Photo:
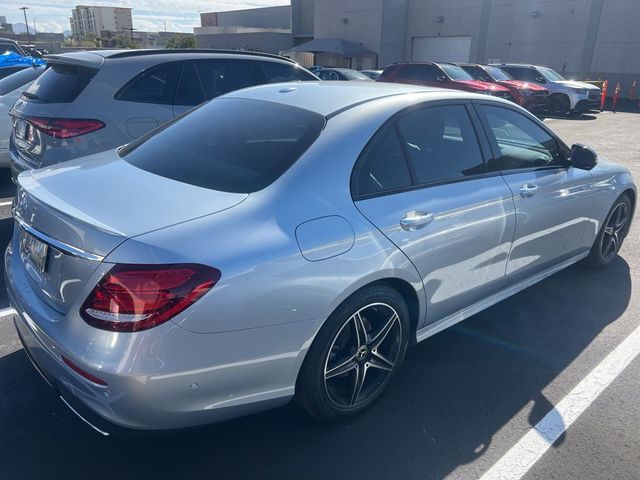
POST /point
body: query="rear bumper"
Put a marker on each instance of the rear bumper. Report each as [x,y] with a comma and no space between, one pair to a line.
[163,378]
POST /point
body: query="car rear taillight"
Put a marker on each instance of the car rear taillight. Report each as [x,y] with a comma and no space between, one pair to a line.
[130,298]
[65,127]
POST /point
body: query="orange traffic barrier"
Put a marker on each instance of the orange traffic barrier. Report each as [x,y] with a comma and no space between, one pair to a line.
[616,95]
[632,92]
[603,97]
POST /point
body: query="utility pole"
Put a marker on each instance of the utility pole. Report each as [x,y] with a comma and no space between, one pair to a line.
[24,10]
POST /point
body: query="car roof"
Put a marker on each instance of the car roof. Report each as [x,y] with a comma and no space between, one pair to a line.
[525,65]
[96,58]
[329,98]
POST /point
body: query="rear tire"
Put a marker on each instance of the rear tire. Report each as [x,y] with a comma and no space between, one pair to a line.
[612,234]
[355,354]
[559,104]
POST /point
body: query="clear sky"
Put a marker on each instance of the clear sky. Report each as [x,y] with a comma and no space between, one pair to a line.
[180,15]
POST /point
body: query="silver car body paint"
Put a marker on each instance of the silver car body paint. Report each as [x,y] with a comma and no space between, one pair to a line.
[289,255]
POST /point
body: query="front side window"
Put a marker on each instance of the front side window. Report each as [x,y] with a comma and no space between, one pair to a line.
[156,85]
[550,74]
[230,144]
[328,75]
[455,72]
[441,144]
[478,73]
[382,167]
[222,76]
[521,142]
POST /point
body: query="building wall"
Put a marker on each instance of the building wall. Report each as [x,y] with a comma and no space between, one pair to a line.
[302,19]
[269,42]
[268,17]
[616,55]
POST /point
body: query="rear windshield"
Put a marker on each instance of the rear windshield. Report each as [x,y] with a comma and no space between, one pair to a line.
[229,144]
[59,84]
[19,79]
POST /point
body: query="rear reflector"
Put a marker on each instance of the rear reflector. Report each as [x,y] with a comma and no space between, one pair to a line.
[65,127]
[130,298]
[82,373]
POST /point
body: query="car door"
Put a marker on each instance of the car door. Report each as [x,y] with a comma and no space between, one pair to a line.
[147,99]
[202,80]
[552,199]
[423,181]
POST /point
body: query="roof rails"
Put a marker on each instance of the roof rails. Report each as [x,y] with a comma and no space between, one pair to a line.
[157,51]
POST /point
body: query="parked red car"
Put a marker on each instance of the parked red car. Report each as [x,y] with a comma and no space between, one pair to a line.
[528,95]
[445,75]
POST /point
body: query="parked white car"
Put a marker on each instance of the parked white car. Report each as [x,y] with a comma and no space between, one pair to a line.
[11,88]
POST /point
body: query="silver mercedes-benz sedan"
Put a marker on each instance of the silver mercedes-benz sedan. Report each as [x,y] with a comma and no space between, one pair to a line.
[290,241]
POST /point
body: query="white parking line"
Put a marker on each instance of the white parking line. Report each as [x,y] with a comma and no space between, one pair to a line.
[5,312]
[4,204]
[523,455]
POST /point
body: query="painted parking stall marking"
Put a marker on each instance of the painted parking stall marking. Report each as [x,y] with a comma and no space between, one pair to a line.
[523,455]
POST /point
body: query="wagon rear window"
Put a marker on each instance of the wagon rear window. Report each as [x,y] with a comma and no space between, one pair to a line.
[229,144]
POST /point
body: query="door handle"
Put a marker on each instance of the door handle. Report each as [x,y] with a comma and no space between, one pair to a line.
[528,190]
[415,219]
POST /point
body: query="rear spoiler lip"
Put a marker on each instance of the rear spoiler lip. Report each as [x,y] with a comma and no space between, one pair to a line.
[81,59]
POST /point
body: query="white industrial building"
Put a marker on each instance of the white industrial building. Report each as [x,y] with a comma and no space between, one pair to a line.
[581,38]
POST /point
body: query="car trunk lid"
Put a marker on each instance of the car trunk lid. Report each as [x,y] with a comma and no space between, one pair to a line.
[71,216]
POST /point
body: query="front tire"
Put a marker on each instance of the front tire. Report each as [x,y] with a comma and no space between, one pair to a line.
[609,240]
[559,104]
[355,354]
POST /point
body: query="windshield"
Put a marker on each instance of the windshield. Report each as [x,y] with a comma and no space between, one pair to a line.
[551,75]
[455,72]
[497,74]
[354,75]
[229,144]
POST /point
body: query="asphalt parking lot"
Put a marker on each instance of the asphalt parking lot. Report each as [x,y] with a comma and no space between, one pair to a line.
[462,400]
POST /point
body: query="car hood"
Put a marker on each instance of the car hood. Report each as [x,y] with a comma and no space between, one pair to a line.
[115,198]
[520,85]
[575,84]
[483,86]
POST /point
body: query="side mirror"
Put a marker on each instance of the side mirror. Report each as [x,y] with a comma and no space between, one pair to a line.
[442,79]
[583,157]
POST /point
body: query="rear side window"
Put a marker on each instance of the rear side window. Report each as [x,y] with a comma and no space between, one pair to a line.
[423,73]
[155,85]
[441,143]
[383,166]
[60,84]
[19,79]
[8,71]
[230,144]
[280,72]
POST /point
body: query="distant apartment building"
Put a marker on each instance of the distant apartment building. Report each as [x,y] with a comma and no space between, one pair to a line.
[4,26]
[92,20]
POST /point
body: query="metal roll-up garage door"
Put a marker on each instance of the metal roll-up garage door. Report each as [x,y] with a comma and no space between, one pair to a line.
[441,49]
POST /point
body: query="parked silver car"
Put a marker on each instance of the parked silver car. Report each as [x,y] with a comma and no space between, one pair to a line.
[89,102]
[11,88]
[565,96]
[290,241]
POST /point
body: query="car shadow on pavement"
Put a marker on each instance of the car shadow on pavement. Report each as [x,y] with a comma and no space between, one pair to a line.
[447,404]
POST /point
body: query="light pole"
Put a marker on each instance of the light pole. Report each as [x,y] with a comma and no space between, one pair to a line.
[26,24]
